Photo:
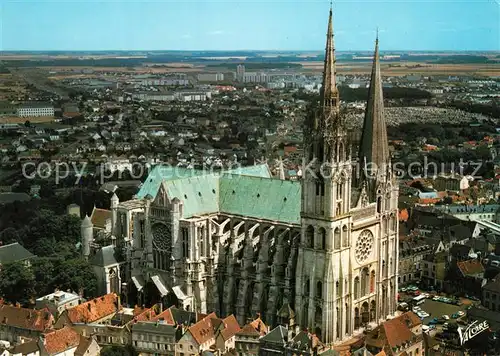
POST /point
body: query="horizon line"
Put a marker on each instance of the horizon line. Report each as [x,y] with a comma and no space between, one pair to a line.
[245,50]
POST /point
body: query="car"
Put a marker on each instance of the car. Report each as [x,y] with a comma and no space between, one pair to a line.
[446,317]
[454,316]
[461,313]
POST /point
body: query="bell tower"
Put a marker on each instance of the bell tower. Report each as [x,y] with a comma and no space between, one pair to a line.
[323,259]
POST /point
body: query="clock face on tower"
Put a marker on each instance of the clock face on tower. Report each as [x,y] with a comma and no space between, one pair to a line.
[364,245]
[162,237]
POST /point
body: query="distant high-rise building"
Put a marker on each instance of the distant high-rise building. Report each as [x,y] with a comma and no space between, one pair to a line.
[240,72]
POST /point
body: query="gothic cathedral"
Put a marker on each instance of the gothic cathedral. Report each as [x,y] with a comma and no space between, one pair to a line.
[320,253]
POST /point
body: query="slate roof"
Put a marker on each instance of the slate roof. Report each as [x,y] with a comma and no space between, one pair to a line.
[104,257]
[14,252]
[248,191]
[154,327]
[276,336]
[493,286]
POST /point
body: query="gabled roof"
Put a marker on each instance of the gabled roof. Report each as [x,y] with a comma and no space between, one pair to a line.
[14,252]
[94,309]
[100,217]
[470,267]
[231,327]
[278,335]
[83,346]
[22,318]
[61,340]
[202,331]
[259,325]
[252,192]
[248,330]
[394,332]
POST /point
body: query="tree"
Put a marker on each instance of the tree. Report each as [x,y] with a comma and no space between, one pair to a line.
[75,274]
[118,351]
[17,283]
[8,236]
[27,123]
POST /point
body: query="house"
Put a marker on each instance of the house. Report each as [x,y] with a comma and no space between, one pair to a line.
[98,310]
[304,343]
[399,336]
[15,253]
[247,341]
[154,337]
[225,333]
[467,276]
[491,295]
[19,322]
[198,338]
[58,301]
[87,347]
[434,269]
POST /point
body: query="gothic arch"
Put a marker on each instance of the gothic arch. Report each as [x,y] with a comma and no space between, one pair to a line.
[113,281]
[307,288]
[309,236]
[319,290]
[345,236]
[365,313]
[364,281]
[338,288]
[318,320]
[339,318]
[372,282]
[356,288]
[373,310]
[322,237]
[357,320]
[347,318]
[336,238]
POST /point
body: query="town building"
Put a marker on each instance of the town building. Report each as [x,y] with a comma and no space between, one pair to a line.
[35,110]
[210,77]
[58,301]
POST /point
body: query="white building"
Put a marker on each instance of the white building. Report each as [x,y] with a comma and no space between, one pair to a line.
[210,77]
[35,110]
[58,301]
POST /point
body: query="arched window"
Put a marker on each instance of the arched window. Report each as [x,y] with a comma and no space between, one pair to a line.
[365,313]
[372,311]
[319,289]
[364,282]
[379,204]
[357,320]
[339,318]
[345,236]
[372,282]
[307,288]
[338,288]
[336,238]
[310,237]
[356,288]
[321,151]
[340,188]
[322,234]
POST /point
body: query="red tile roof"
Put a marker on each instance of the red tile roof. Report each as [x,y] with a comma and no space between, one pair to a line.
[94,309]
[147,314]
[231,327]
[248,330]
[23,318]
[165,316]
[394,332]
[61,340]
[470,267]
[202,331]
[259,325]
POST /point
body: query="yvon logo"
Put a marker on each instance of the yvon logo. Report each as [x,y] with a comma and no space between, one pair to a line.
[472,331]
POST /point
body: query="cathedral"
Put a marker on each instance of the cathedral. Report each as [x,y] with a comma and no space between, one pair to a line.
[320,253]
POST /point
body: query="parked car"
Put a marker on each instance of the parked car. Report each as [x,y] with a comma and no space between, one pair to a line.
[446,317]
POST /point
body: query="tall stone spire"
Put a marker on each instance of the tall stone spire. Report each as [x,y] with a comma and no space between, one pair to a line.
[329,93]
[373,148]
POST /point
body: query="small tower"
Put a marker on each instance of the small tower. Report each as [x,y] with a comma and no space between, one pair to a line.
[87,236]
[281,170]
[114,214]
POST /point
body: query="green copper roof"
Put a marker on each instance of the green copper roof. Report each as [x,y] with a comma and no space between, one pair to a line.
[200,195]
[263,198]
[247,191]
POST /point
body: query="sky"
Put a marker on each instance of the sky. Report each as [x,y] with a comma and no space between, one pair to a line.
[248,25]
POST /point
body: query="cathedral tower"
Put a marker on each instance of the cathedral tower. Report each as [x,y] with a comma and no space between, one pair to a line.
[323,260]
[346,275]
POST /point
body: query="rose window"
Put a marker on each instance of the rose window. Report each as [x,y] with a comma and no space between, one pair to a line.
[364,245]
[162,238]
